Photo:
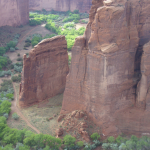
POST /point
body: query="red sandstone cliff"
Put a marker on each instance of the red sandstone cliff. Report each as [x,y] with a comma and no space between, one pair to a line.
[60,5]
[44,72]
[105,75]
[14,12]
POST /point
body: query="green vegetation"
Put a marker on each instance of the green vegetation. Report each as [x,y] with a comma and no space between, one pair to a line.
[95,136]
[59,23]
[16,78]
[15,116]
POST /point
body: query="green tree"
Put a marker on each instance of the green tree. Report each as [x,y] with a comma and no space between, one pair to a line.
[2,51]
[69,140]
[111,139]
[5,107]
[95,136]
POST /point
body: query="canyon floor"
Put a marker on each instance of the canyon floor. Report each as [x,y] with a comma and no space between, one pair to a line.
[37,118]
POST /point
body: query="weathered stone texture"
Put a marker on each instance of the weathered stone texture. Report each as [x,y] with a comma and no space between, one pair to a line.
[104,69]
[44,72]
[14,12]
[60,5]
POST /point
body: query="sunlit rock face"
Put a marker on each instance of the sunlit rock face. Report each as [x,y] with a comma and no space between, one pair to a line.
[14,12]
[60,5]
[44,71]
[109,77]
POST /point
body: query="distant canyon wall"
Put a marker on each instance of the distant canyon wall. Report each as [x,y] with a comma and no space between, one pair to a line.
[14,12]
[61,5]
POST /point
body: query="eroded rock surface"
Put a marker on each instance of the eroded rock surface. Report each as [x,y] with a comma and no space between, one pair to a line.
[14,12]
[105,75]
[60,5]
[44,72]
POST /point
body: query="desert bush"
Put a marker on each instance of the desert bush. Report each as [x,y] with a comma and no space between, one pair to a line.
[27,44]
[3,62]
[69,141]
[16,78]
[5,107]
[10,96]
[12,49]
[106,146]
[19,59]
[6,115]
[16,48]
[15,116]
[3,73]
[34,43]
[80,144]
[18,54]
[28,40]
[6,85]
[12,44]
[18,68]
[95,136]
[111,139]
[2,51]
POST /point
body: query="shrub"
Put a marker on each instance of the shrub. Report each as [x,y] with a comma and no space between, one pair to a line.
[6,85]
[111,139]
[19,59]
[69,141]
[106,146]
[18,68]
[28,40]
[95,136]
[15,116]
[16,78]
[12,44]
[3,73]
[16,48]
[2,51]
[12,49]
[122,147]
[34,43]
[10,96]
[6,115]
[27,44]
[3,62]
[18,54]
[5,107]
[80,143]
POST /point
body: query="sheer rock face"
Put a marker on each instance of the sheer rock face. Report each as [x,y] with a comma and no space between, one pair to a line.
[60,5]
[44,72]
[14,12]
[105,67]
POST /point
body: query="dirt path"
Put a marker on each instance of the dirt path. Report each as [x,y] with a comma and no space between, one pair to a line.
[14,108]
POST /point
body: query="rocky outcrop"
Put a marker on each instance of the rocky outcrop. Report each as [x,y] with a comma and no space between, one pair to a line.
[105,75]
[44,71]
[60,5]
[14,12]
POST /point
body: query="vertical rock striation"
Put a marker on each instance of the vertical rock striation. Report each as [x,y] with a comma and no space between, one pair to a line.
[60,5]
[104,78]
[44,72]
[14,12]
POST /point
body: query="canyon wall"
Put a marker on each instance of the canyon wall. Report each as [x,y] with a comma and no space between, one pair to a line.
[44,71]
[60,5]
[14,12]
[109,76]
